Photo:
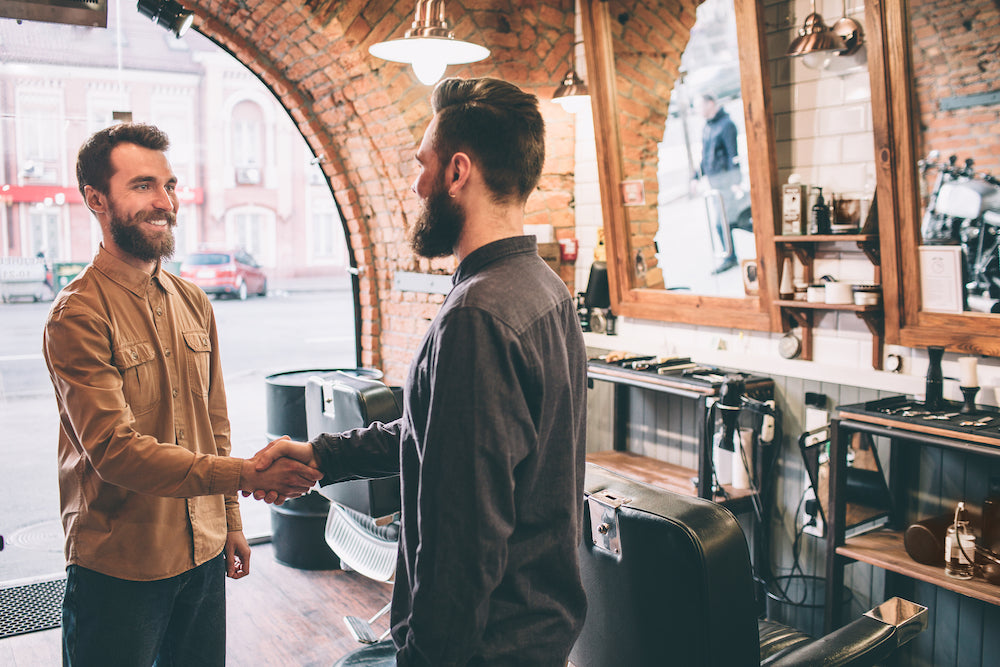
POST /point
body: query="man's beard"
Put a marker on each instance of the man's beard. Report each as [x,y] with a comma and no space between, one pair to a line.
[438,226]
[128,235]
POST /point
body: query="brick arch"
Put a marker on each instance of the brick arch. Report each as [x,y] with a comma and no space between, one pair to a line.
[364,118]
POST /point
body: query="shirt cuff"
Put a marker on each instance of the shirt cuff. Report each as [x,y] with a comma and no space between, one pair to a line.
[226,476]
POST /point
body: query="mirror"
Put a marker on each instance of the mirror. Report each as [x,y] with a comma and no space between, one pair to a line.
[935,65]
[687,181]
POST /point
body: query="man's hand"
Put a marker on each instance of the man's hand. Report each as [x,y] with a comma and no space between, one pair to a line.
[285,446]
[282,479]
[237,555]
[277,450]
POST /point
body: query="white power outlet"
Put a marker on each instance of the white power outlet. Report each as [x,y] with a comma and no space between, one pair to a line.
[812,524]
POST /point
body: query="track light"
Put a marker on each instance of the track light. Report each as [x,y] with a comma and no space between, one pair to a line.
[572,93]
[429,45]
[167,13]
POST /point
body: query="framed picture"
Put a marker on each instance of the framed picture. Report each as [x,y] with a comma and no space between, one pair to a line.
[941,278]
[633,193]
[748,269]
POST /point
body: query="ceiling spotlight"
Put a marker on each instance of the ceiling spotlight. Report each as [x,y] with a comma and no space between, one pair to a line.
[429,45]
[572,93]
[167,13]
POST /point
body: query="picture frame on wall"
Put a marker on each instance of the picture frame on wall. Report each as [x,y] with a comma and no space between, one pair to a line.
[751,281]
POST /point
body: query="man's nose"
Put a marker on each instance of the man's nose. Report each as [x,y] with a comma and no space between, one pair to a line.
[165,200]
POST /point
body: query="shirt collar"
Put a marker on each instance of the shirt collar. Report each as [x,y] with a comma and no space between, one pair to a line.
[129,277]
[479,258]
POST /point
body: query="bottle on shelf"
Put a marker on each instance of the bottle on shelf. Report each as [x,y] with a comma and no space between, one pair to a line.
[959,546]
[820,223]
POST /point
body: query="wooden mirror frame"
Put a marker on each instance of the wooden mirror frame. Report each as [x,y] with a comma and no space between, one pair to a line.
[757,312]
[898,193]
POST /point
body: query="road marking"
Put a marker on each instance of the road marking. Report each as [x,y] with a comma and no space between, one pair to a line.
[20,357]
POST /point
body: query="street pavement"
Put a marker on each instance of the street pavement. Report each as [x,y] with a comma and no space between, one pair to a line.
[307,324]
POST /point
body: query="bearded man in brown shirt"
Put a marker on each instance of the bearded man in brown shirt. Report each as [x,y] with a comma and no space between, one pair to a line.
[147,486]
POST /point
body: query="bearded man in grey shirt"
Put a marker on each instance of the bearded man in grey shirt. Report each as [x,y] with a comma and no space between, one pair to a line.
[490,447]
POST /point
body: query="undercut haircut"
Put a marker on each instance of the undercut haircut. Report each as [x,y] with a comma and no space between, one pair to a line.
[497,125]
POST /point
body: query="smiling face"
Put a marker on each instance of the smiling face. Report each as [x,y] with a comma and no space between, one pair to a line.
[141,204]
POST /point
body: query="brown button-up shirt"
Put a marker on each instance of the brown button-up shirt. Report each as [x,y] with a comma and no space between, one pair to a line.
[147,487]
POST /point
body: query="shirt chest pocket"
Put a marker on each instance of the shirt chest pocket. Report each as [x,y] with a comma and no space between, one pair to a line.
[136,362]
[199,349]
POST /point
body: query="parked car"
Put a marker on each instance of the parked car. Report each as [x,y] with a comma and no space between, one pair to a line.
[225,273]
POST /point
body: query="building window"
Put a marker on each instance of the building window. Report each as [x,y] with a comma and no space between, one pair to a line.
[247,136]
[42,237]
[38,113]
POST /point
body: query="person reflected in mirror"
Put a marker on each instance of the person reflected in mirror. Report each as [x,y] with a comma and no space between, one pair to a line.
[146,484]
[720,165]
[490,448]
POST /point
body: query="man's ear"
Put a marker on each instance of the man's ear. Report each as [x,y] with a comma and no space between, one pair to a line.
[457,172]
[95,201]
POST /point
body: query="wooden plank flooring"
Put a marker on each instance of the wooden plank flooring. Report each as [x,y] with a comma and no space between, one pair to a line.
[278,616]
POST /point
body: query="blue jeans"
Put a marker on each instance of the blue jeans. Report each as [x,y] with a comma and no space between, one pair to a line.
[180,621]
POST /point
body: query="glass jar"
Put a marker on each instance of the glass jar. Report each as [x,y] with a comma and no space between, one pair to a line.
[959,547]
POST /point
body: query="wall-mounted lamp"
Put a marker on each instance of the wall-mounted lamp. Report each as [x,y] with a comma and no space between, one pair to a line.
[168,14]
[815,41]
[572,94]
[835,48]
[429,45]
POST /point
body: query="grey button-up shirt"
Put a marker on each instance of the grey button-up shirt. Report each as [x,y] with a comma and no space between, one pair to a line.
[491,451]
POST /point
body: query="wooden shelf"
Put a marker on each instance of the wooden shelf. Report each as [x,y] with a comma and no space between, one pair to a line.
[824,238]
[885,549]
[669,476]
[811,305]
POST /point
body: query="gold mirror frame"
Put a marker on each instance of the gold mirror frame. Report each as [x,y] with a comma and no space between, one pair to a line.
[895,128]
[756,312]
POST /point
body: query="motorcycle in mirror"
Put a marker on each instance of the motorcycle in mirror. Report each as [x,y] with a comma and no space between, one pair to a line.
[964,209]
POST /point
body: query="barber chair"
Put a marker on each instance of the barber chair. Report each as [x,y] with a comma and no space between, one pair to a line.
[669,581]
[362,526]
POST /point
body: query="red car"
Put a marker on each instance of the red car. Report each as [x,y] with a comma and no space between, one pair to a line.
[225,273]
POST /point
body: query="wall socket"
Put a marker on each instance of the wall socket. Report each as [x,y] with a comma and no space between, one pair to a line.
[812,523]
[812,520]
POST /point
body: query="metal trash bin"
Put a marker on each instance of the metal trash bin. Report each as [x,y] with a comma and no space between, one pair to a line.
[297,525]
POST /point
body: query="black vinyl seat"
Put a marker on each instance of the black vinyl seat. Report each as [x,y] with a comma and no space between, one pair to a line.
[669,581]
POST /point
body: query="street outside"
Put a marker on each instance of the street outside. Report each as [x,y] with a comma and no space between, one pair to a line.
[296,327]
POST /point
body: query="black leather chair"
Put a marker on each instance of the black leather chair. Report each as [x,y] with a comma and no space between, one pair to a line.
[669,581]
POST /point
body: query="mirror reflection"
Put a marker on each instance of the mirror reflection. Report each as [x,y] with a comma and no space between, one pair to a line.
[689,205]
[955,63]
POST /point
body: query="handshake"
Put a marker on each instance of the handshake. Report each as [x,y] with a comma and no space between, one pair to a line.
[282,470]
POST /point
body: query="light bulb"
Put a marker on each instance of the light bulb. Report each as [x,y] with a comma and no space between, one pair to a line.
[818,59]
[429,70]
[574,103]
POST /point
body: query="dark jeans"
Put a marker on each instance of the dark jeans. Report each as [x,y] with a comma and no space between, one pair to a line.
[175,622]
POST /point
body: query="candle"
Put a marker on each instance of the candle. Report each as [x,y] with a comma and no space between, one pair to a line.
[967,376]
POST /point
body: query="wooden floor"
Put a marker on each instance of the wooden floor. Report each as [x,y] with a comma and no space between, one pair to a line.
[277,615]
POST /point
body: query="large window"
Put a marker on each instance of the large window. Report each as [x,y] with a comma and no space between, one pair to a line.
[64,83]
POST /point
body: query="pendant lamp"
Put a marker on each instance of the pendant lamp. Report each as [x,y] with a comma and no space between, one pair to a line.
[429,45]
[572,93]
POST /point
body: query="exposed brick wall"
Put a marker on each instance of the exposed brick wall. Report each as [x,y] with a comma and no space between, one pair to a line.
[955,53]
[364,117]
[648,44]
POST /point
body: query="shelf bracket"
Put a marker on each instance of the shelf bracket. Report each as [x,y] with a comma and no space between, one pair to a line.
[870,248]
[873,318]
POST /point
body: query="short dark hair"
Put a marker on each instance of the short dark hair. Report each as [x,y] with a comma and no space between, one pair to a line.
[93,162]
[499,126]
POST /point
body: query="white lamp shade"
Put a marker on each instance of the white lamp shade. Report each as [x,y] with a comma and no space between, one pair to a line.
[429,55]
